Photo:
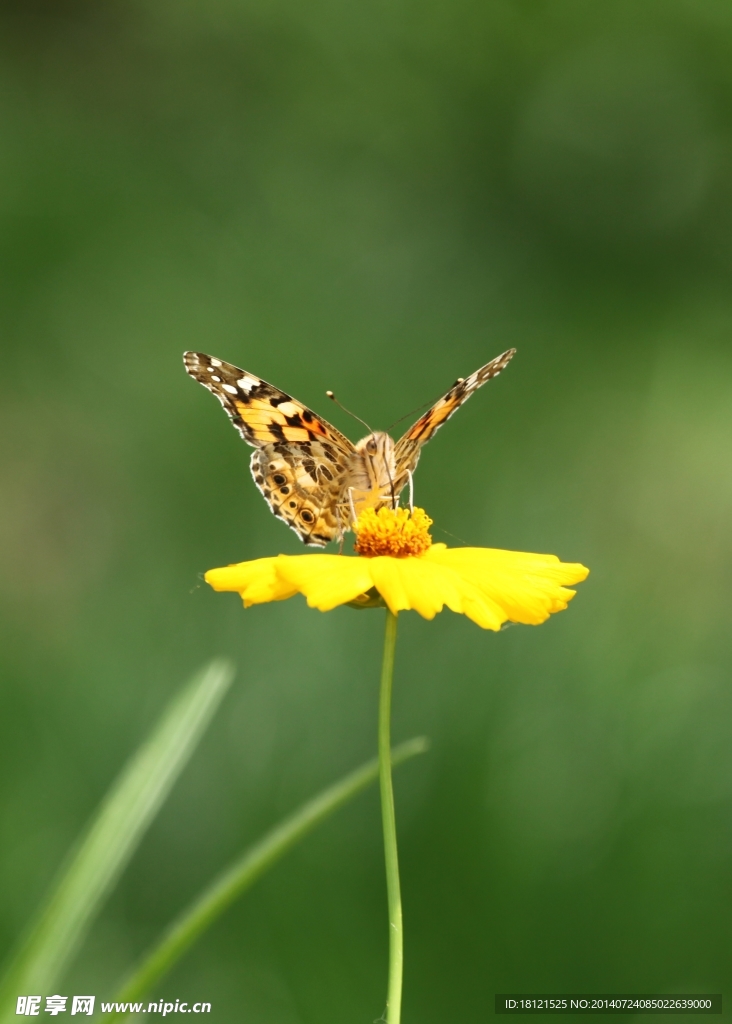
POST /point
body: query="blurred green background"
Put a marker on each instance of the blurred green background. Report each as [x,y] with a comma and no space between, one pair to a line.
[376,198]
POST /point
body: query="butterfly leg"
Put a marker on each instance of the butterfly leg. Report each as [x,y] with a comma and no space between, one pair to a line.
[353,507]
[411,491]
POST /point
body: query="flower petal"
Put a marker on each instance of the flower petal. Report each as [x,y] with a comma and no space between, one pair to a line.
[516,585]
[325,580]
[257,581]
[416,583]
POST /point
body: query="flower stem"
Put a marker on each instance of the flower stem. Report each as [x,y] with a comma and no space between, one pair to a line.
[239,876]
[396,950]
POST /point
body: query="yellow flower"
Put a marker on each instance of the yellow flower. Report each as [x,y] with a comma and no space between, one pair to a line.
[398,562]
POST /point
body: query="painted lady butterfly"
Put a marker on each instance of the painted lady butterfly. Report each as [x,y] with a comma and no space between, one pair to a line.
[310,474]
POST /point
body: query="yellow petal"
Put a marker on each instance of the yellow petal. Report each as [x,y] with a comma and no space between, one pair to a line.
[426,586]
[325,580]
[415,583]
[517,585]
[257,581]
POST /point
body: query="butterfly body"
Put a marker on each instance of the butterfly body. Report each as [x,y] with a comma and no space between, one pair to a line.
[309,473]
[373,472]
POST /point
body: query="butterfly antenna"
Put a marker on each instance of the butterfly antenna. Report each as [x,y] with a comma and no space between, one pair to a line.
[340,405]
[419,408]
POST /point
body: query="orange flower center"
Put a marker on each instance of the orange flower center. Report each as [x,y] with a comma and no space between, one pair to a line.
[397,533]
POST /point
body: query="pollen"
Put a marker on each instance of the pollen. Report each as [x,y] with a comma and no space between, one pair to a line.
[397,533]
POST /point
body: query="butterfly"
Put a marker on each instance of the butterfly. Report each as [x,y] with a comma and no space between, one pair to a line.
[310,474]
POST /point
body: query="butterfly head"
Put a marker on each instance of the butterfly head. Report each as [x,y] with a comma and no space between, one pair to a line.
[377,446]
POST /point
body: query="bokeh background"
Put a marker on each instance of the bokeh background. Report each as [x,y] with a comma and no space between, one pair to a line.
[376,198]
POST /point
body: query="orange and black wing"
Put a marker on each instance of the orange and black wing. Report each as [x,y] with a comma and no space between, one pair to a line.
[301,459]
[408,448]
[260,412]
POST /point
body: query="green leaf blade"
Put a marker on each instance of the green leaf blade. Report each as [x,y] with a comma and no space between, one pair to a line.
[245,871]
[113,835]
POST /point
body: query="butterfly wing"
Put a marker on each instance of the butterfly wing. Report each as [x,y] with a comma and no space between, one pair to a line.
[301,460]
[303,488]
[408,448]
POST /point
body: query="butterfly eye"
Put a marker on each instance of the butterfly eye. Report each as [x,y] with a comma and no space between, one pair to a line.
[307,517]
[371,446]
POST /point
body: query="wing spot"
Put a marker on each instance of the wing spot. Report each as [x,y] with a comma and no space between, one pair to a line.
[284,490]
[215,362]
[293,504]
[279,478]
[307,516]
[307,416]
[247,383]
[230,388]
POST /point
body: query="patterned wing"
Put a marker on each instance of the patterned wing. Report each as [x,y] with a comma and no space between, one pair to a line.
[301,459]
[408,448]
[302,484]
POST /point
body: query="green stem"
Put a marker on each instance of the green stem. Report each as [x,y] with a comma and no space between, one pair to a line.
[396,938]
[236,879]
